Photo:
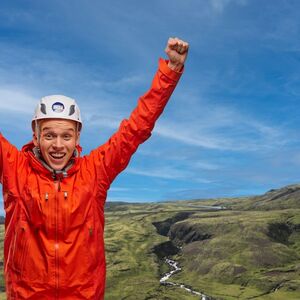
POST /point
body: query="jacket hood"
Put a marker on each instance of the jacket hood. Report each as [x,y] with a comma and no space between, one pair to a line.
[40,165]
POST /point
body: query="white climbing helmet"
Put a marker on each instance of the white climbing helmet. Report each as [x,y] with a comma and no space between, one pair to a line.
[57,107]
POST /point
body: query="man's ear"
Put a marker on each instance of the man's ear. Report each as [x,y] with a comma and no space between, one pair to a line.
[35,140]
[77,138]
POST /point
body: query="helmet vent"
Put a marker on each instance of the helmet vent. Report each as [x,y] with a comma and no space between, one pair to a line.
[43,108]
[72,110]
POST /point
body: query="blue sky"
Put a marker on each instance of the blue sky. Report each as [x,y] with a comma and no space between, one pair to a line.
[232,125]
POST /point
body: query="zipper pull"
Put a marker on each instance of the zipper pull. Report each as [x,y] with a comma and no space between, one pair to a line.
[66,195]
[59,184]
[46,196]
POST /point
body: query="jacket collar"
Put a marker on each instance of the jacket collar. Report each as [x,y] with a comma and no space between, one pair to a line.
[38,163]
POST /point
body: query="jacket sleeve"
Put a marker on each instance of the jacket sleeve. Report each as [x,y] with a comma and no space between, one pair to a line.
[8,157]
[115,154]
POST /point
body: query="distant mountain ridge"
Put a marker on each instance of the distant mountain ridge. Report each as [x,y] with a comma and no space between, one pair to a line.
[286,197]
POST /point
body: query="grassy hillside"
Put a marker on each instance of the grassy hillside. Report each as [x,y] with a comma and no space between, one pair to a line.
[250,250]
[247,254]
[132,267]
[227,254]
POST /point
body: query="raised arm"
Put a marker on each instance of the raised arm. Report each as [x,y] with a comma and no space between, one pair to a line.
[8,156]
[114,155]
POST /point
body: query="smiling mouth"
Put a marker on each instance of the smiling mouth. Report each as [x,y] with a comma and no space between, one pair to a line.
[57,156]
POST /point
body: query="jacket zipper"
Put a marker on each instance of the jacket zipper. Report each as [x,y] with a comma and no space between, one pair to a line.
[56,244]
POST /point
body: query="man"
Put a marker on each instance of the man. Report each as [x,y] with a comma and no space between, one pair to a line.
[54,199]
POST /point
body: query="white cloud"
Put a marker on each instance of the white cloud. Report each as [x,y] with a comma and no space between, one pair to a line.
[220,5]
[123,83]
[221,127]
[185,135]
[166,172]
[103,120]
[205,165]
[15,100]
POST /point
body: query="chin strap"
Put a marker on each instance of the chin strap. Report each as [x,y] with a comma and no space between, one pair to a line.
[56,174]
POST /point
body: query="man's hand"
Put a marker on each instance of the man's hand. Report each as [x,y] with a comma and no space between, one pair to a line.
[177,51]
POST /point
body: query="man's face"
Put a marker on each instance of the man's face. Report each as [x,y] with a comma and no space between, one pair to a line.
[58,139]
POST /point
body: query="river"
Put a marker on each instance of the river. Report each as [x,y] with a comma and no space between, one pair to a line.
[175,268]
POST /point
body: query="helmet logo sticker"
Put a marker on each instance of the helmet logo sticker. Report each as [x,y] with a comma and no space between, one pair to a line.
[58,107]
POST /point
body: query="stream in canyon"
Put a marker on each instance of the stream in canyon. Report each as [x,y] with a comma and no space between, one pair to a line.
[166,250]
[175,268]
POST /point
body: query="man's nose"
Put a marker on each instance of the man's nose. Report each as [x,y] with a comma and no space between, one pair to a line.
[58,143]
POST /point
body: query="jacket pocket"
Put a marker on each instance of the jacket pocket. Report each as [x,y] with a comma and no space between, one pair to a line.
[20,245]
[90,245]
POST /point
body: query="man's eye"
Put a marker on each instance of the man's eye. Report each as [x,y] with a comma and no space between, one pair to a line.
[67,137]
[48,136]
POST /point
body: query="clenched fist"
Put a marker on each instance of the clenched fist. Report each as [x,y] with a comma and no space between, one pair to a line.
[177,51]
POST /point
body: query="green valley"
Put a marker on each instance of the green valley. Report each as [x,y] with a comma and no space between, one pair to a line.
[228,248]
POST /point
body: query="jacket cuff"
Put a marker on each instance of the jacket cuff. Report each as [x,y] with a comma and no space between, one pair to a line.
[163,67]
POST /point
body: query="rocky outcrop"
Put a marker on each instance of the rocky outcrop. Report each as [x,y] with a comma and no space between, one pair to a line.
[165,249]
[181,232]
[185,233]
[168,248]
[280,231]
[163,227]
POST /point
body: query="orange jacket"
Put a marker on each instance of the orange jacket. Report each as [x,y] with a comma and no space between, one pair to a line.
[54,247]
